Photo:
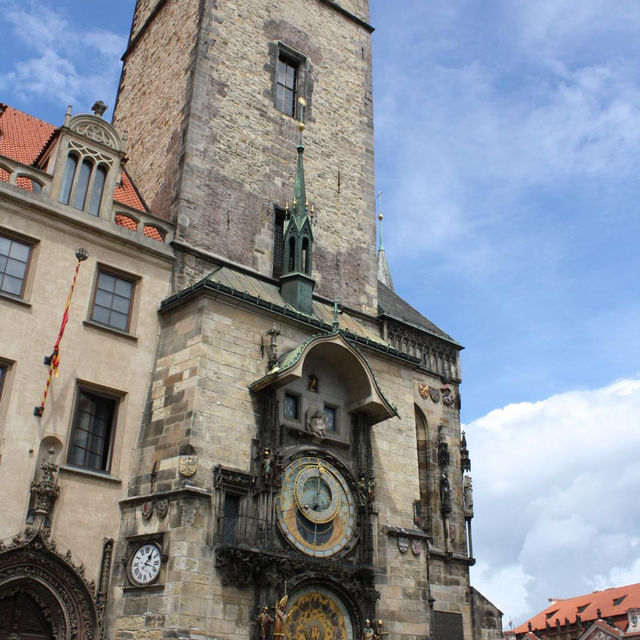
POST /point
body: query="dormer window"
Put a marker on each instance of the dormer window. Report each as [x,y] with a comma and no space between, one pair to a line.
[83,183]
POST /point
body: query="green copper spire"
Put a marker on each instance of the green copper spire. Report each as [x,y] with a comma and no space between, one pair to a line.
[296,283]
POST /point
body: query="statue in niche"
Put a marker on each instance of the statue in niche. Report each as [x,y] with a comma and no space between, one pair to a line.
[371,490]
[263,622]
[313,383]
[362,491]
[281,616]
[467,491]
[445,494]
[379,633]
[317,422]
[367,631]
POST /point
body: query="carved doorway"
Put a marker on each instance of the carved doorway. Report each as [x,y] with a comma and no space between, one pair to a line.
[22,619]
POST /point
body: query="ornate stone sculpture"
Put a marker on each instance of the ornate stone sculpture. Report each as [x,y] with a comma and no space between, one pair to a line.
[445,494]
[443,449]
[44,492]
[317,422]
[467,490]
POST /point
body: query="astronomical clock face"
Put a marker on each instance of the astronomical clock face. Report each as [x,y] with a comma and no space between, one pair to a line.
[315,507]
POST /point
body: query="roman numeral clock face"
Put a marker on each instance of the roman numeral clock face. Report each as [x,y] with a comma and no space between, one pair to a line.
[315,508]
[145,563]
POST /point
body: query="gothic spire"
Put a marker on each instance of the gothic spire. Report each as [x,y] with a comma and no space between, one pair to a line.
[384,275]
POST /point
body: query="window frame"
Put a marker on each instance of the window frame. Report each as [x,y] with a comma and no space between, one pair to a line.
[108,454]
[288,63]
[303,81]
[31,244]
[71,182]
[127,277]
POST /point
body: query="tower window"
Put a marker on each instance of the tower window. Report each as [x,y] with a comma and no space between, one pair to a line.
[287,85]
[291,406]
[278,246]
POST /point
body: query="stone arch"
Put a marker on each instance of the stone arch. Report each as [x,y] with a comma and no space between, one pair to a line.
[31,566]
[422,447]
[362,390]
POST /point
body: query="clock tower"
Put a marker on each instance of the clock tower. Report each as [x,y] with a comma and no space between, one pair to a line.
[301,436]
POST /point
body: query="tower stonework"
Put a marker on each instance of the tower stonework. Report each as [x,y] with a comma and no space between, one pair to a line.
[211,151]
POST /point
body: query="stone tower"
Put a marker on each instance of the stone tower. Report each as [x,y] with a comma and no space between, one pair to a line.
[207,95]
[302,432]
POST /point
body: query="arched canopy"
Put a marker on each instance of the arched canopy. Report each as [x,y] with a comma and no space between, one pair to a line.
[31,566]
[363,392]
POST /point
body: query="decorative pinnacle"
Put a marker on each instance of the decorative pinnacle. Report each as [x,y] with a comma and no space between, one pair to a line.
[99,108]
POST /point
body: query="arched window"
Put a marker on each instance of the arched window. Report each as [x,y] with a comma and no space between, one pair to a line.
[306,267]
[422,446]
[82,184]
[67,182]
[96,191]
[292,255]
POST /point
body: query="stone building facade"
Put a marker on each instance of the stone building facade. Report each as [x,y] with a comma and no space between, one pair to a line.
[289,460]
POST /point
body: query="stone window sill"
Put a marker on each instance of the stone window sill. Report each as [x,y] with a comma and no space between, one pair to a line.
[9,298]
[89,472]
[104,327]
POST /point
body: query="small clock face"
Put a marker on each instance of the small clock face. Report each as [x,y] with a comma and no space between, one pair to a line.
[144,566]
[315,507]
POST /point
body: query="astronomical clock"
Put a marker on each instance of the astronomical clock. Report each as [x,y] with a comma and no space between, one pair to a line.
[310,501]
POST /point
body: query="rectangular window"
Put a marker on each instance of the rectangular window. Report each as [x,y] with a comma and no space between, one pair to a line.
[330,413]
[14,262]
[291,406]
[230,521]
[3,374]
[278,247]
[112,301]
[92,431]
[287,85]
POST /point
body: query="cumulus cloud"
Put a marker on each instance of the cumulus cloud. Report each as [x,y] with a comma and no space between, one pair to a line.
[53,60]
[556,483]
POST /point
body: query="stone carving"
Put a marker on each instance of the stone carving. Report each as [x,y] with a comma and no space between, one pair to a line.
[371,489]
[416,547]
[467,491]
[434,394]
[403,544]
[445,494]
[187,465]
[44,492]
[162,507]
[423,390]
[31,564]
[452,532]
[443,449]
[465,460]
[362,491]
[317,422]
[448,397]
[96,129]
[146,509]
[102,589]
[268,466]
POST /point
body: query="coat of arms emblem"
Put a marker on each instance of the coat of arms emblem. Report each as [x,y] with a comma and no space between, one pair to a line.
[187,465]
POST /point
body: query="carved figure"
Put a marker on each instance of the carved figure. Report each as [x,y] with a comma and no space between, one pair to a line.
[367,631]
[379,632]
[445,494]
[267,465]
[371,490]
[467,490]
[317,423]
[443,449]
[263,622]
[362,490]
[281,616]
[313,383]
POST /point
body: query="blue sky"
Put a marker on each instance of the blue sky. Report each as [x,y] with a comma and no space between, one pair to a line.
[508,154]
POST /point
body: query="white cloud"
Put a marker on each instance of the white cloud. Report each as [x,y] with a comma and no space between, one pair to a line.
[56,61]
[556,484]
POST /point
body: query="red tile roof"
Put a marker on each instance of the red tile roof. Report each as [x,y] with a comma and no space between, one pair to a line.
[612,603]
[23,137]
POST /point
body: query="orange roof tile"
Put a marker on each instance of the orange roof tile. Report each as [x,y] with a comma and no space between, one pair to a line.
[612,603]
[23,137]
